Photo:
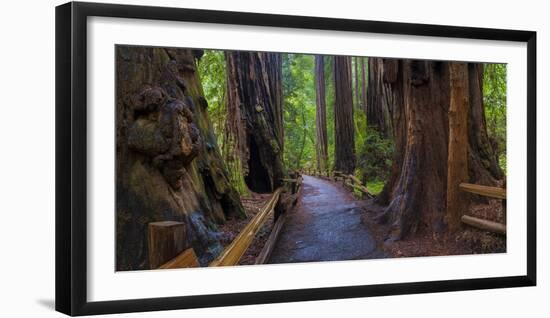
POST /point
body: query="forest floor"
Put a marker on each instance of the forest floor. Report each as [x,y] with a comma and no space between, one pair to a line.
[329,223]
[252,204]
[468,241]
[325,225]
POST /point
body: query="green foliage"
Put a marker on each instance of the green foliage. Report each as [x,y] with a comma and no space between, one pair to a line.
[213,78]
[299,110]
[494,99]
[374,157]
[375,187]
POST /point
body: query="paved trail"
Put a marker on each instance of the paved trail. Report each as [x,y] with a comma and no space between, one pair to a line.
[324,226]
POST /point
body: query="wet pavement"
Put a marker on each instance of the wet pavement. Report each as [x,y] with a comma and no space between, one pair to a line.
[325,226]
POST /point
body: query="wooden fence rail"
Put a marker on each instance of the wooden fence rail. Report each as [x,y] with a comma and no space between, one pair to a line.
[233,253]
[491,192]
[164,237]
[352,183]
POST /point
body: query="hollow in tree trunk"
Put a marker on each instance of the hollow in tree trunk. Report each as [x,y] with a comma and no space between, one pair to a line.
[254,88]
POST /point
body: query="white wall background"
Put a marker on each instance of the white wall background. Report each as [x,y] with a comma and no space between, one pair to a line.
[27,158]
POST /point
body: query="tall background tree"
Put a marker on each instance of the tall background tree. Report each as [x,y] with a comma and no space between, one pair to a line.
[321,115]
[344,130]
[254,101]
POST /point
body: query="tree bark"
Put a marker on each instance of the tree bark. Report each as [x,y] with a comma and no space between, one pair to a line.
[483,161]
[457,169]
[168,165]
[357,82]
[344,129]
[389,89]
[379,97]
[418,198]
[416,189]
[255,102]
[363,85]
[321,115]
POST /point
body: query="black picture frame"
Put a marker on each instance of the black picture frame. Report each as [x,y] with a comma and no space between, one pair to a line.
[71,157]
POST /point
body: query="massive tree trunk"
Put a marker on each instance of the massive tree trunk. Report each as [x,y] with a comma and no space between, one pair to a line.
[321,145]
[255,104]
[416,190]
[344,129]
[483,161]
[168,165]
[418,197]
[457,163]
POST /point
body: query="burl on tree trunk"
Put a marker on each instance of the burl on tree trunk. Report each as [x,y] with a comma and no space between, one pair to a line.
[168,165]
[419,95]
[344,129]
[255,106]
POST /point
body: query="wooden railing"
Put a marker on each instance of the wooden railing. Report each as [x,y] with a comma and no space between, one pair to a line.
[491,192]
[348,181]
[165,237]
[233,253]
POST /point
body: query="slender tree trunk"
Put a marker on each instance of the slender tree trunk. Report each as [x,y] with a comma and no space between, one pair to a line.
[457,169]
[321,114]
[357,82]
[255,104]
[343,116]
[363,85]
[303,145]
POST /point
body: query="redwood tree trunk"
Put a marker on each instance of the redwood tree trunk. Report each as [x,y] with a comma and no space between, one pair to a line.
[483,161]
[168,165]
[390,96]
[357,82]
[457,169]
[418,197]
[379,99]
[416,190]
[344,130]
[363,85]
[254,88]
[321,115]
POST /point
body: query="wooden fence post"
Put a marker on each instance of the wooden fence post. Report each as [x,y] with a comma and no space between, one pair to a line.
[166,240]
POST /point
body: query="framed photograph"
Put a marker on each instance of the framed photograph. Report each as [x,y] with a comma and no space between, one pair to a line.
[210,158]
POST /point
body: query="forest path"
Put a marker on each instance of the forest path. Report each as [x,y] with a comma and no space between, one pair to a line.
[325,226]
